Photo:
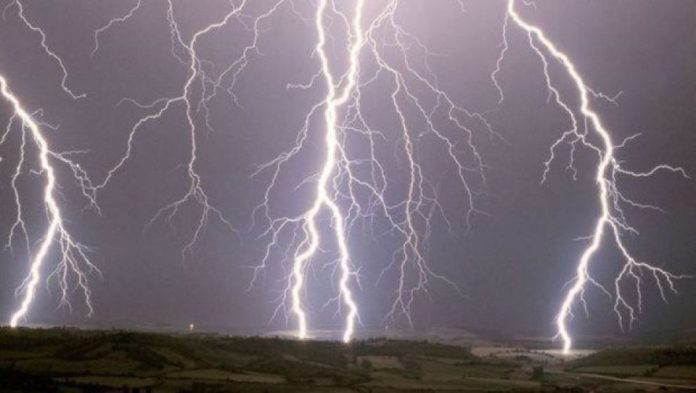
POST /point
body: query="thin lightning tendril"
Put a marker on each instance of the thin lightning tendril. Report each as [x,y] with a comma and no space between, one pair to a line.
[195,193]
[47,50]
[334,100]
[111,22]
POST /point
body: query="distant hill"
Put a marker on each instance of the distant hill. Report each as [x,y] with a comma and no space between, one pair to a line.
[100,361]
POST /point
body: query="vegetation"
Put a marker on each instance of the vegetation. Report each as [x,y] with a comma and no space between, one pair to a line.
[70,360]
[661,356]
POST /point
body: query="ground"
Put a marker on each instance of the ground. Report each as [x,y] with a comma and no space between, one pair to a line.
[71,360]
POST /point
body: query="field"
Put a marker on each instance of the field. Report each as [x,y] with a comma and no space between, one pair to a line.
[70,360]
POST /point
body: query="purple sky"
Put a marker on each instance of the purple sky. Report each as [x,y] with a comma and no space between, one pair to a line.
[511,265]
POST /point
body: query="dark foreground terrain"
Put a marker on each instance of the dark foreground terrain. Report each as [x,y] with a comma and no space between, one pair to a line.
[69,360]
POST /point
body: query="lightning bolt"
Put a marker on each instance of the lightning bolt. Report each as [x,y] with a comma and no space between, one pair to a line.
[72,255]
[356,187]
[611,221]
[334,100]
[73,262]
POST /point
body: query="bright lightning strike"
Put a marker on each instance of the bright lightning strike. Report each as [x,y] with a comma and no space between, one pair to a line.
[72,254]
[611,220]
[72,259]
[334,100]
[353,186]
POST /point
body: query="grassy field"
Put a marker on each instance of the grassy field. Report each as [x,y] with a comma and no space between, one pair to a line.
[70,360]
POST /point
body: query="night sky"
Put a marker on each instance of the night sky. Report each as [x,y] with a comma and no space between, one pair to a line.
[511,265]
